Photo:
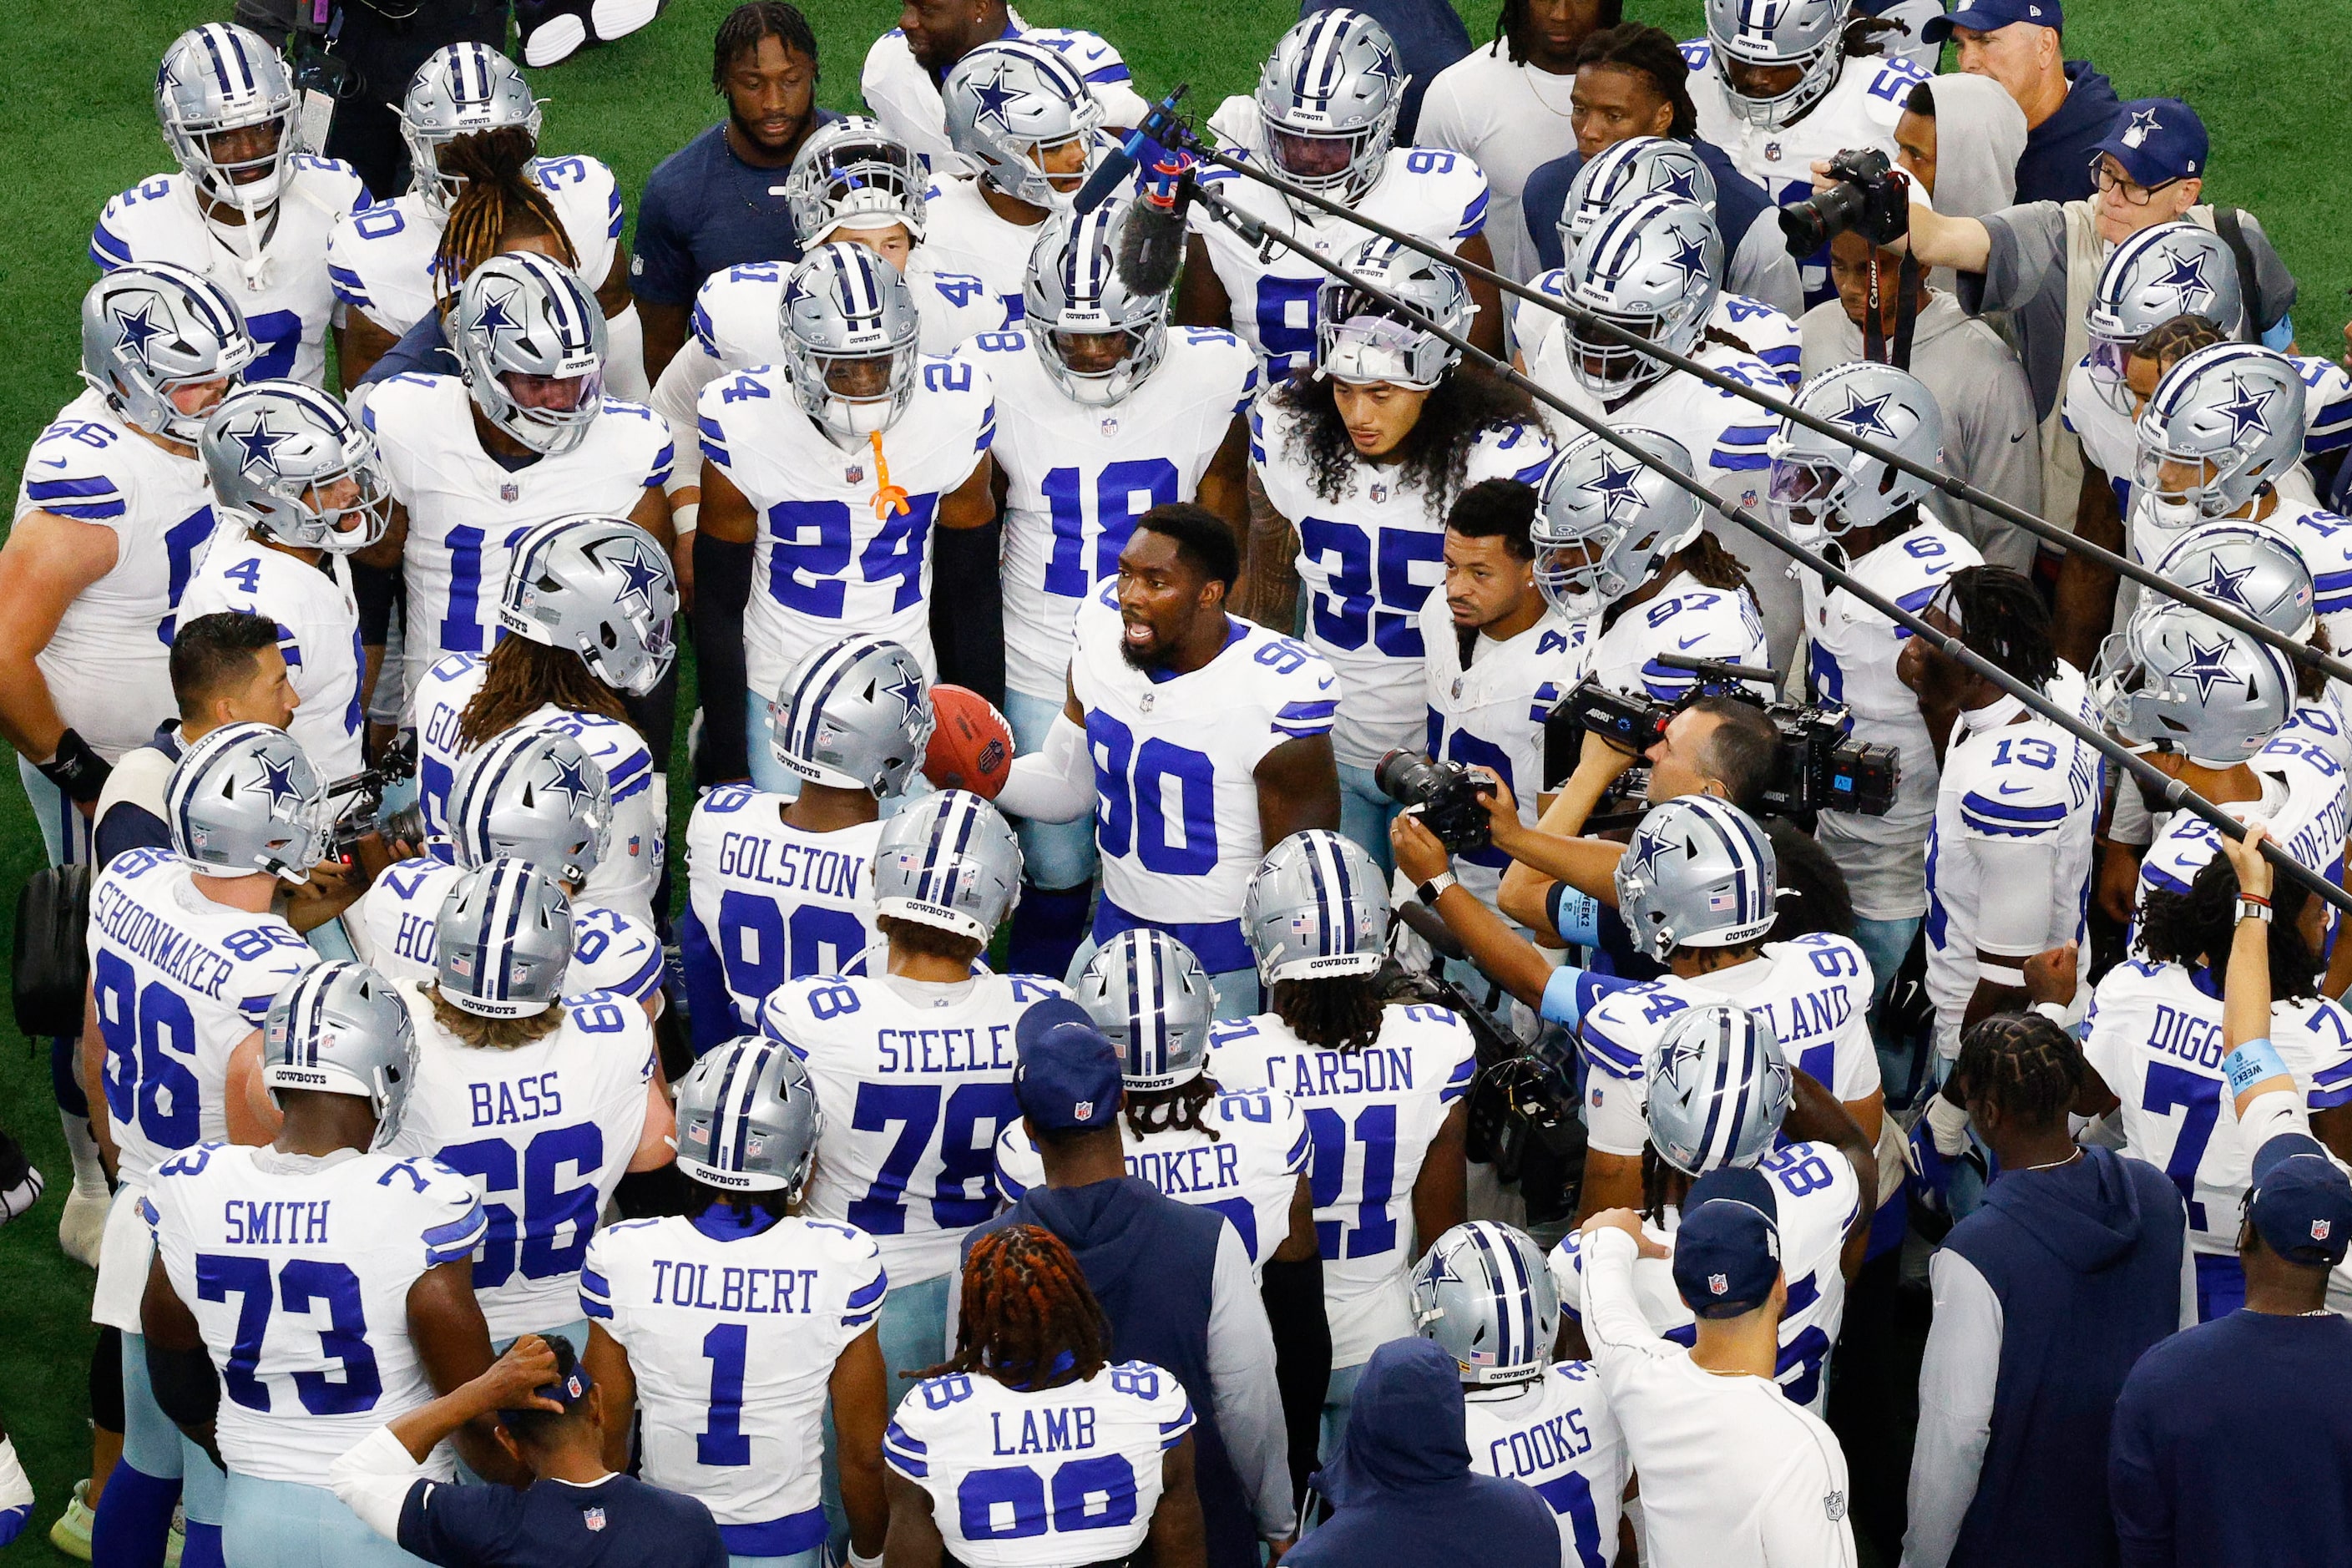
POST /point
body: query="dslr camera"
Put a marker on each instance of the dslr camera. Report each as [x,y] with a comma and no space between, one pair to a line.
[359,802]
[1447,794]
[1870,199]
[1819,766]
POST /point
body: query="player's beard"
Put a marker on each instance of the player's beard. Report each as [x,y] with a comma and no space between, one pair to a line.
[1158,656]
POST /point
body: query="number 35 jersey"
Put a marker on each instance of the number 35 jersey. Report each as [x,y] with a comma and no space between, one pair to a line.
[297,1269]
[1371,1114]
[1039,1478]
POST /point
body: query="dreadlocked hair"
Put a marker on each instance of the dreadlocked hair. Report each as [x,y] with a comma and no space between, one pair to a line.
[2171,341]
[1338,1013]
[519,678]
[498,205]
[1434,454]
[1512,26]
[494,1034]
[1026,1316]
[1868,35]
[1710,564]
[2022,1063]
[2004,622]
[2198,926]
[1176,1108]
[1646,51]
[747,23]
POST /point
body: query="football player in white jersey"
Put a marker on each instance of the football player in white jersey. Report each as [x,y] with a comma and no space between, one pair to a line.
[595,584]
[323,1277]
[904,68]
[249,209]
[1323,117]
[1103,414]
[185,958]
[113,509]
[1167,688]
[1484,1295]
[913,1060]
[1383,1087]
[735,1328]
[829,482]
[296,486]
[384,262]
[1358,466]
[780,889]
[542,1097]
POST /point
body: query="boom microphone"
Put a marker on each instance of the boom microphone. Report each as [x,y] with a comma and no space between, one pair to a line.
[1151,246]
[1158,126]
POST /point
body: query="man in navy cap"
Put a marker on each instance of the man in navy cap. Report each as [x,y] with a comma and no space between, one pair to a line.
[2230,1439]
[1174,1280]
[2068,105]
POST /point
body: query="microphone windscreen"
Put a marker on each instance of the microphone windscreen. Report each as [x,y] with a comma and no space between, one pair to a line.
[1151,247]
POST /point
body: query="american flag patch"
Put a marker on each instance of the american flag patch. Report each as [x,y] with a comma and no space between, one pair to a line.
[1720,901]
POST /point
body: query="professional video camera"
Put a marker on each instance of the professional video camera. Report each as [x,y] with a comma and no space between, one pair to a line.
[360,802]
[1820,767]
[1870,199]
[1447,793]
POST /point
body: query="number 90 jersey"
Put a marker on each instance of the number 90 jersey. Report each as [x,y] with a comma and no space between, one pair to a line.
[1371,1114]
[299,1276]
[1078,475]
[1040,1477]
[1557,1437]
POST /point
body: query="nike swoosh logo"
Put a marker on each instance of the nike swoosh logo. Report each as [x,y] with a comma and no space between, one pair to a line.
[54,462]
[2026,789]
[1324,684]
[1687,644]
[2013,440]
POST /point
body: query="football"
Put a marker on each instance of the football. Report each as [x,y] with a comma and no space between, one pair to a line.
[972,744]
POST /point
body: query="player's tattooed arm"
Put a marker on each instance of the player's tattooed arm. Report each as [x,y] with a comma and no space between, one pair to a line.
[385,554]
[1201,299]
[860,1394]
[607,1364]
[914,1538]
[1486,326]
[45,566]
[1224,484]
[444,1321]
[1298,788]
[1178,1538]
[1269,586]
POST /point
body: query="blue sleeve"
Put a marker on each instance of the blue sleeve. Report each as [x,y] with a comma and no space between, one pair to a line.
[1542,203]
[2135,1489]
[2280,335]
[663,272]
[461,1526]
[423,350]
[128,827]
[710,1009]
[1570,991]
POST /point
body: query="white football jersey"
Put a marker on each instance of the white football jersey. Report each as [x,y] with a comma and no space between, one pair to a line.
[1767,333]
[625,878]
[466,511]
[287,303]
[989,1457]
[1371,1114]
[317,631]
[297,1269]
[1433,195]
[1078,476]
[1192,742]
[964,234]
[905,96]
[1244,1160]
[1685,618]
[381,260]
[732,1335]
[109,664]
[1814,990]
[1724,435]
[2304,800]
[1819,1196]
[776,902]
[1366,561]
[392,929]
[544,1130]
[825,565]
[1557,1437]
[2111,442]
[915,1083]
[1851,660]
[180,982]
[2154,1033]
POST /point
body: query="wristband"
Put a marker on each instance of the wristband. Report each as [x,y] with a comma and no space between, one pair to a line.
[2251,908]
[76,769]
[2250,1064]
[2002,974]
[1429,892]
[683,520]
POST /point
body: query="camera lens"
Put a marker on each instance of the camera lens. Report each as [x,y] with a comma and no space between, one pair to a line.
[1406,777]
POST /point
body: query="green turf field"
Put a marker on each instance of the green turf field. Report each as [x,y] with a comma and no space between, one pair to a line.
[76,126]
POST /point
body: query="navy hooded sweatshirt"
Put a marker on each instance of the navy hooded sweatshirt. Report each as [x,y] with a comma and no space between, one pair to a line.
[1400,1484]
[2056,164]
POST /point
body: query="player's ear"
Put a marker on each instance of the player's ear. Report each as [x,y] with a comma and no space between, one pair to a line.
[507,1442]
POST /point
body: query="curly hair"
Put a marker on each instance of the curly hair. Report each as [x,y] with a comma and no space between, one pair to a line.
[1434,454]
[521,676]
[1339,1013]
[1026,1316]
[2023,1064]
[2198,927]
[498,205]
[494,1034]
[1174,1110]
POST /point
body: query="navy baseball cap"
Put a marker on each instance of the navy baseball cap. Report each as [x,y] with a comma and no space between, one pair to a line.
[1984,15]
[1070,1074]
[567,1390]
[2301,1201]
[2157,140]
[1728,1250]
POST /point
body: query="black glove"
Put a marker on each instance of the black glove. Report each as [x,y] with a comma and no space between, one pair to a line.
[76,769]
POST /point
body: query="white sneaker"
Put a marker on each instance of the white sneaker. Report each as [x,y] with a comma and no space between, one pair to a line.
[70,1534]
[81,1227]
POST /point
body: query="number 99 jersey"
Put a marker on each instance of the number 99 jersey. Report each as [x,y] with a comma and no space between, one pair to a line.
[1040,1477]
[1819,1194]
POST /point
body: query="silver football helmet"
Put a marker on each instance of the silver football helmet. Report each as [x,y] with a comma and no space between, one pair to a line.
[286,459]
[1699,873]
[462,89]
[503,940]
[220,78]
[1146,991]
[150,328]
[1484,1295]
[1007,102]
[1605,524]
[1328,98]
[1820,487]
[1651,267]
[1625,171]
[340,1029]
[1718,1089]
[1807,32]
[245,798]
[947,860]
[853,714]
[852,339]
[601,587]
[2179,681]
[2179,268]
[534,795]
[1317,906]
[2233,413]
[748,1118]
[853,173]
[1359,338]
[2249,566]
[1075,292]
[521,314]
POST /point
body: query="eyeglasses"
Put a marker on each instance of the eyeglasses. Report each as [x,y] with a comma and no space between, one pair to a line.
[2133,192]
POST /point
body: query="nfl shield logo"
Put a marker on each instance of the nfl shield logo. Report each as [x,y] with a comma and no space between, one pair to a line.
[510,492]
[1719,1284]
[1084,1110]
[1109,427]
[1457,690]
[593,1518]
[1772,151]
[854,473]
[2320,1228]
[1380,492]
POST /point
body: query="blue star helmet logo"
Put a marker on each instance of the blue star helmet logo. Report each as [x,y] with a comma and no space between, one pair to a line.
[1443,1272]
[2221,582]
[135,329]
[1689,257]
[995,96]
[1676,181]
[496,315]
[278,778]
[1866,415]
[1648,848]
[907,688]
[260,443]
[2186,279]
[1618,488]
[2209,667]
[640,573]
[571,782]
[2246,407]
